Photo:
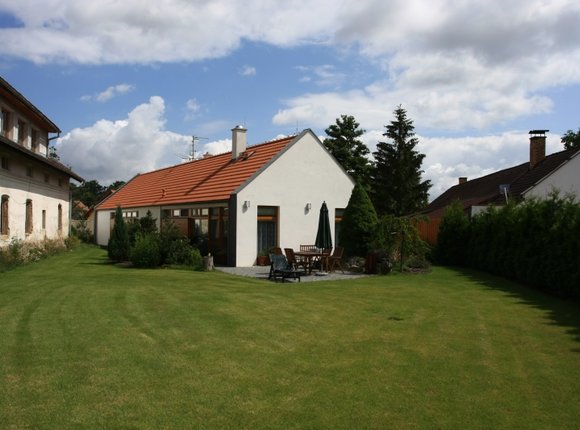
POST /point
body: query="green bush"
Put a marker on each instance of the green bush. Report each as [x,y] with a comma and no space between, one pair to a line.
[534,242]
[359,223]
[145,252]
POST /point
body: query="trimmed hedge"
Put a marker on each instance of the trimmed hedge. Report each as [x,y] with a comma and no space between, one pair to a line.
[535,242]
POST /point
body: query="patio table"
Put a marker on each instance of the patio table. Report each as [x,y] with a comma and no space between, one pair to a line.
[310,257]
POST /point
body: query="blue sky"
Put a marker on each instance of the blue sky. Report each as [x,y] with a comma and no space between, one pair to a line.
[128,82]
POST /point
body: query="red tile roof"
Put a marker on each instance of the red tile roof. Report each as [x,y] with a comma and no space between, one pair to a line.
[204,180]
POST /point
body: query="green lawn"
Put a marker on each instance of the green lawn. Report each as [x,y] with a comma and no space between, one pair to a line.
[85,345]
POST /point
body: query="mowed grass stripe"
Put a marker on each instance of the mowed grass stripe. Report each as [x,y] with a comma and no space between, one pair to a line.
[86,344]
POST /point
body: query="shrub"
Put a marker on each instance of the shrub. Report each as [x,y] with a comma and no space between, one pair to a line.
[145,252]
[358,226]
[119,246]
[453,235]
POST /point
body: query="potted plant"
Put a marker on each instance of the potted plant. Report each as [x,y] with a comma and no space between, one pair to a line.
[263,259]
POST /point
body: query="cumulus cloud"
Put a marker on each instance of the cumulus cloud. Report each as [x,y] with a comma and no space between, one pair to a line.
[109,93]
[111,150]
[248,71]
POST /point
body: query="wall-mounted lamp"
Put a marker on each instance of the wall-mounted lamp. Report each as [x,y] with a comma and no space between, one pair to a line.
[308,207]
[246,204]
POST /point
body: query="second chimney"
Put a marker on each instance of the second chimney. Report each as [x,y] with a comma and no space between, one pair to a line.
[238,141]
[462,179]
[537,146]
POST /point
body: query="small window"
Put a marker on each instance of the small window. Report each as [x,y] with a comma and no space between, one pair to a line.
[44,219]
[22,133]
[29,171]
[6,123]
[28,227]
[34,138]
[5,163]
[4,216]
[60,218]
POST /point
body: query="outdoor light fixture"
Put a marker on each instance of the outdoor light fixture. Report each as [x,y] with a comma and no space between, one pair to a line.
[247,204]
[308,206]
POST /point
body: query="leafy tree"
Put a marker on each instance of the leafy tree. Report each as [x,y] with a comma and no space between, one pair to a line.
[571,139]
[119,246]
[344,144]
[358,224]
[88,192]
[398,189]
[116,185]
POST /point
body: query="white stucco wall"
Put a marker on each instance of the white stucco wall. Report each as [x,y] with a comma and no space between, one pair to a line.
[305,173]
[566,180]
[45,197]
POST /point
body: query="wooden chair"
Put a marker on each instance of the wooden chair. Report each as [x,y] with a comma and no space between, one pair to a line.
[335,259]
[292,259]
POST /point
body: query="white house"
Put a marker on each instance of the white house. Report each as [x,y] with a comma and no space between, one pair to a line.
[34,189]
[242,202]
[538,177]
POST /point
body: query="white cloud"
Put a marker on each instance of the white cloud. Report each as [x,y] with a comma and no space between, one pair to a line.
[109,93]
[192,108]
[248,71]
[117,150]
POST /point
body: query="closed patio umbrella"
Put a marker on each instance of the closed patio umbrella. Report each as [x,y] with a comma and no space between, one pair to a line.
[323,235]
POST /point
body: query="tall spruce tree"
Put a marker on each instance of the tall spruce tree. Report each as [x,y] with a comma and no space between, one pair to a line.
[344,144]
[397,186]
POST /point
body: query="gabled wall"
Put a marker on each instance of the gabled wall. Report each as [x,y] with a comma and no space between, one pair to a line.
[566,180]
[304,173]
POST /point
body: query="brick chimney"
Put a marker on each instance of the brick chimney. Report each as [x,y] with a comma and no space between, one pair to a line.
[537,146]
[462,180]
[238,141]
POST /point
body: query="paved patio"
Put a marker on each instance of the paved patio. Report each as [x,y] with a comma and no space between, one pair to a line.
[261,272]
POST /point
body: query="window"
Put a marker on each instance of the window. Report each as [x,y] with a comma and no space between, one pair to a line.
[5,163]
[4,230]
[130,214]
[6,124]
[267,228]
[29,171]
[59,218]
[44,219]
[34,139]
[180,212]
[22,133]
[28,221]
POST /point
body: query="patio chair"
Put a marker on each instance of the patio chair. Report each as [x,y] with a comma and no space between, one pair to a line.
[293,260]
[335,259]
[281,268]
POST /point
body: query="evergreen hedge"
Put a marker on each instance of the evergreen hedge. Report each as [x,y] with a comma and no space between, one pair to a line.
[535,242]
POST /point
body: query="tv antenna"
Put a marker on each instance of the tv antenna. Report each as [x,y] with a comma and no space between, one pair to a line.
[191,155]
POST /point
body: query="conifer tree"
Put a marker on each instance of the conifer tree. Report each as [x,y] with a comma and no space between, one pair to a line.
[397,186]
[358,224]
[344,144]
[119,245]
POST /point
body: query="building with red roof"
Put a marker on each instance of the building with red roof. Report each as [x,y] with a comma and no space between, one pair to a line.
[240,203]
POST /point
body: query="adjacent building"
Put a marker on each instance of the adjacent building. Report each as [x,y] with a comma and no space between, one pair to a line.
[34,188]
[241,203]
[538,177]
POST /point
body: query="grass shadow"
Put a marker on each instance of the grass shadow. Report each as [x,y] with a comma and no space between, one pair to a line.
[562,312]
